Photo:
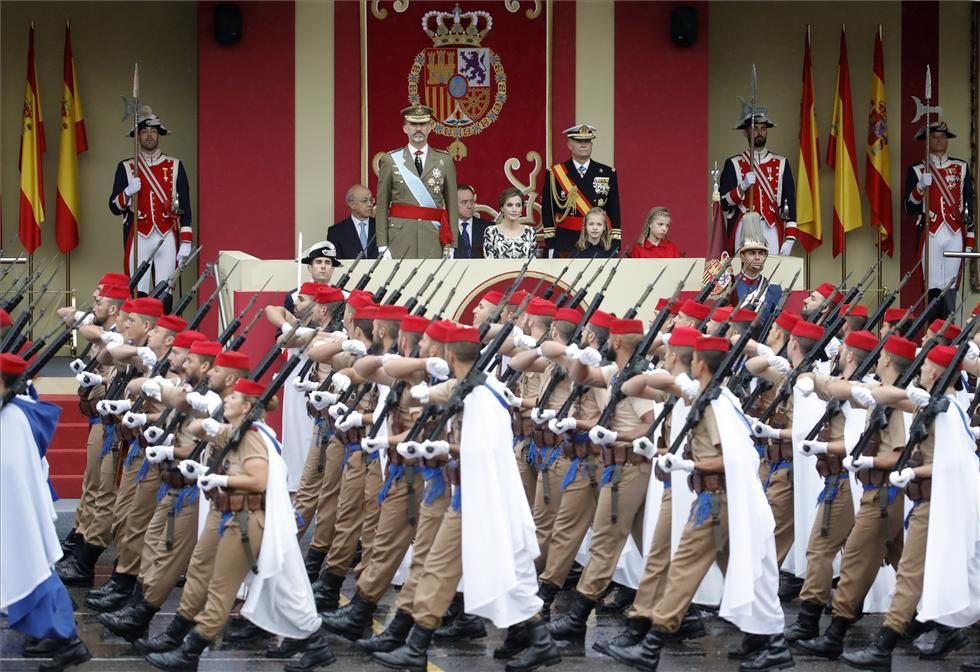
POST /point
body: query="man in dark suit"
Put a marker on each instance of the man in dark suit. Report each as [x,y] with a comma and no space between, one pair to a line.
[356,232]
[573,188]
[471,227]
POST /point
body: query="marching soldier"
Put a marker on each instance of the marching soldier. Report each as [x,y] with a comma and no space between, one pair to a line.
[572,189]
[417,206]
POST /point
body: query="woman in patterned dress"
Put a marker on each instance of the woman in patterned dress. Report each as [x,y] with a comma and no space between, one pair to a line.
[509,238]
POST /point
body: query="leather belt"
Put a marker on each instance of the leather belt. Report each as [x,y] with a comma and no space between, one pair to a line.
[919,489]
[621,453]
[704,482]
[236,502]
[779,450]
[829,465]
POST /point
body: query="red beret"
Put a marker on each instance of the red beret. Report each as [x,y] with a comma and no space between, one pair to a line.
[392,313]
[359,301]
[684,337]
[573,315]
[662,303]
[364,294]
[695,310]
[186,339]
[859,310]
[174,323]
[232,360]
[114,292]
[5,320]
[494,297]
[309,288]
[440,330]
[787,320]
[249,387]
[517,298]
[148,307]
[206,348]
[600,319]
[804,329]
[366,313]
[127,306]
[744,315]
[414,323]
[825,290]
[976,309]
[721,314]
[900,347]
[712,343]
[12,364]
[895,314]
[862,340]
[952,331]
[942,355]
[541,307]
[328,294]
[120,279]
[464,335]
[626,326]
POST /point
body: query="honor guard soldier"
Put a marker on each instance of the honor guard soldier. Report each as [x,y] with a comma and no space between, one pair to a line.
[950,192]
[163,200]
[753,253]
[416,213]
[763,182]
[573,188]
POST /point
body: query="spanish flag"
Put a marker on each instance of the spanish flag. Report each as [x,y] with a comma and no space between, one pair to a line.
[841,155]
[877,171]
[73,142]
[809,223]
[31,148]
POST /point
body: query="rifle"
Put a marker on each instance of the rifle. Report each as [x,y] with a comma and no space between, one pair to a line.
[206,306]
[350,269]
[920,322]
[10,267]
[574,301]
[393,298]
[413,301]
[888,299]
[20,288]
[827,299]
[382,289]
[13,333]
[237,322]
[186,299]
[144,267]
[710,285]
[236,343]
[851,297]
[546,295]
[366,278]
[39,315]
[564,295]
[495,313]
[632,312]
[167,286]
[449,297]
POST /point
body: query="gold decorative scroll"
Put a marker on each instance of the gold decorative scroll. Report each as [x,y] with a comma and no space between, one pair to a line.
[380,12]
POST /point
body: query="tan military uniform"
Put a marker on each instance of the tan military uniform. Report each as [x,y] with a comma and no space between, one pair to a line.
[91,480]
[778,457]
[529,385]
[98,531]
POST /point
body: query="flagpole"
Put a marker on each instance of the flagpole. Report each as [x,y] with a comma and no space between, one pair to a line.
[135,203]
[926,170]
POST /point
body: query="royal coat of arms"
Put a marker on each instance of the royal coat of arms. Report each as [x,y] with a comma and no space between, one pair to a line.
[460,79]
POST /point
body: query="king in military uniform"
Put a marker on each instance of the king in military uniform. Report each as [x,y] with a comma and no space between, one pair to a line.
[417,210]
[573,188]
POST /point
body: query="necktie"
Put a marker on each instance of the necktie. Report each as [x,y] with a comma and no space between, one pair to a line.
[363,234]
[465,245]
[581,171]
[418,162]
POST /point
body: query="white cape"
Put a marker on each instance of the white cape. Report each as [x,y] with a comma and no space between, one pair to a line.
[297,428]
[280,598]
[807,483]
[750,599]
[951,581]
[29,544]
[499,544]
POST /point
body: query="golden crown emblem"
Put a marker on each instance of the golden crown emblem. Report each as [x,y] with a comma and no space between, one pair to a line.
[466,28]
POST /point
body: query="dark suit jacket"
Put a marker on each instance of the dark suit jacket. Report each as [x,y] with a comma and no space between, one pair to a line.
[476,237]
[344,236]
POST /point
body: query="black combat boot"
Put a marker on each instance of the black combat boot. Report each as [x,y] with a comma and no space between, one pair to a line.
[462,625]
[326,591]
[132,622]
[42,648]
[877,655]
[775,655]
[947,640]
[971,665]
[70,541]
[240,630]
[413,656]
[316,653]
[830,644]
[314,561]
[288,648]
[350,623]
[789,587]
[619,600]
[125,584]
[571,626]
[184,658]
[750,647]
[391,638]
[518,638]
[80,570]
[642,656]
[807,624]
[547,593]
[692,626]
[634,632]
[72,652]
[542,649]
[169,639]
[111,585]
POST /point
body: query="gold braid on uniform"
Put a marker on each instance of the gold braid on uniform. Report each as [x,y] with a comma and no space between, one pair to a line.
[566,204]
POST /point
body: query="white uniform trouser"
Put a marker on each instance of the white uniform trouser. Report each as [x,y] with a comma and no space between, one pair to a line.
[942,269]
[164,261]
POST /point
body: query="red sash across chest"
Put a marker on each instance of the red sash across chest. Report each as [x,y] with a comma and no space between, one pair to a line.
[155,196]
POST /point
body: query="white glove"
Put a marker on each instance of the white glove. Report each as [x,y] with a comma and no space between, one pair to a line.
[147,356]
[373,445]
[601,436]
[512,398]
[384,252]
[133,187]
[901,478]
[420,392]
[670,462]
[433,449]
[157,454]
[77,366]
[689,388]
[112,337]
[337,411]
[211,427]
[320,400]
[118,406]
[572,352]
[781,364]
[339,335]
[763,350]
[525,342]
[860,464]
[354,347]
[134,420]
[746,182]
[352,420]
[562,426]
[542,416]
[410,450]
[437,367]
[645,447]
[862,396]
[972,352]
[305,385]
[102,408]
[151,389]
[86,379]
[976,433]
[191,470]
[590,357]
[153,434]
[209,482]
[832,348]
[183,252]
[197,401]
[808,447]
[925,180]
[665,338]
[787,247]
[80,319]
[340,382]
[918,396]
[763,431]
[805,386]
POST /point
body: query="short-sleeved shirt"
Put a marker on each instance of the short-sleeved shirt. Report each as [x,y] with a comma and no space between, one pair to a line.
[440,394]
[529,385]
[588,405]
[704,441]
[562,390]
[835,428]
[251,447]
[629,412]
